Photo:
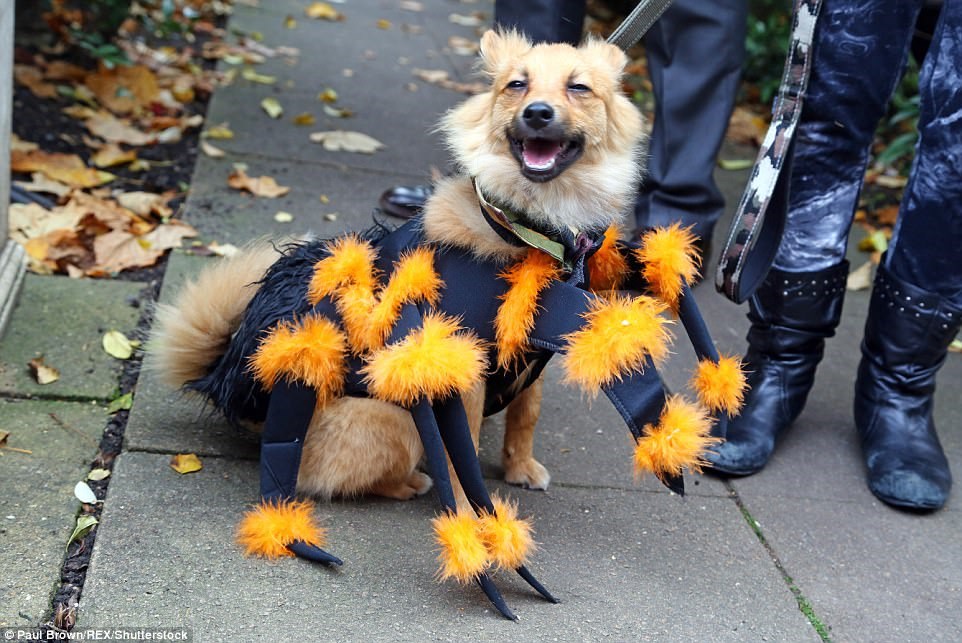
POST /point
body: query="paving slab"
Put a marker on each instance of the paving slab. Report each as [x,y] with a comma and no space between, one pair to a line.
[379,83]
[64,320]
[225,215]
[37,507]
[627,565]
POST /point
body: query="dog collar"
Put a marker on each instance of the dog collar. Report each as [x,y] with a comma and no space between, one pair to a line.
[565,246]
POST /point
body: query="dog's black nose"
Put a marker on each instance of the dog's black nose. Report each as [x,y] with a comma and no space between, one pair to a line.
[538,115]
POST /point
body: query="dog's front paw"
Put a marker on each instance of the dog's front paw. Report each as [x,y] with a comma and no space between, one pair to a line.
[528,473]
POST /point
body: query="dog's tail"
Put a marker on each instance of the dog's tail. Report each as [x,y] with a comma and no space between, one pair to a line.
[189,335]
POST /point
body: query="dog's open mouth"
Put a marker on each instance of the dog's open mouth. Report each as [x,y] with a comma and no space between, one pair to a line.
[542,159]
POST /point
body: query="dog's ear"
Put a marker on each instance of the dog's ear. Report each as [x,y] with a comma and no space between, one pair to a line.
[500,46]
[611,54]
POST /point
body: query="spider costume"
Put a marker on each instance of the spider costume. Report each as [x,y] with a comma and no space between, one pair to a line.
[415,323]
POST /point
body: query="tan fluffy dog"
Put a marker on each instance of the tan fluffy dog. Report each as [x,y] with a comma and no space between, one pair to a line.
[553,138]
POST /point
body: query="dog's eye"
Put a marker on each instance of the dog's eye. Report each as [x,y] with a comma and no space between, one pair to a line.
[517,84]
[578,87]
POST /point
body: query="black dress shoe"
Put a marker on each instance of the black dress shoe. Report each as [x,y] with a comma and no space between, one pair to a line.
[405,201]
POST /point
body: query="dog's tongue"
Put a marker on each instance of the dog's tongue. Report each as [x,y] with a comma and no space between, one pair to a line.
[540,154]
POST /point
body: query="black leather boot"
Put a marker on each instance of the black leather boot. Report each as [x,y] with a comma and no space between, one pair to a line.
[791,313]
[907,334]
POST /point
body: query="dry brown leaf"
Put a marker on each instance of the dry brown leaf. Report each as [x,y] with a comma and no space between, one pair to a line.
[861,278]
[272,107]
[219,132]
[118,250]
[887,215]
[211,150]
[342,140]
[746,127]
[185,463]
[112,154]
[264,186]
[463,46]
[893,182]
[33,79]
[43,373]
[411,5]
[123,89]
[62,70]
[40,183]
[440,78]
[20,145]
[146,204]
[110,128]
[66,168]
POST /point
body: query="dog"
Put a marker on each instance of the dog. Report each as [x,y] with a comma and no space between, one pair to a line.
[549,160]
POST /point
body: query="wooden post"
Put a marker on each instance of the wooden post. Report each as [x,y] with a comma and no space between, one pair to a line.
[12,256]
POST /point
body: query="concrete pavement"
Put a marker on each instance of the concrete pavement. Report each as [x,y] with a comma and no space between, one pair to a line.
[798,552]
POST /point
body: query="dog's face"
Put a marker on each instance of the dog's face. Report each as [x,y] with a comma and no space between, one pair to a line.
[554,136]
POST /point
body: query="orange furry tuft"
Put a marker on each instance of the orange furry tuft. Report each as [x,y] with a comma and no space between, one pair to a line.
[608,267]
[311,351]
[515,318]
[678,442]
[463,555]
[507,538]
[267,529]
[434,361]
[720,386]
[620,333]
[351,261]
[669,258]
[413,279]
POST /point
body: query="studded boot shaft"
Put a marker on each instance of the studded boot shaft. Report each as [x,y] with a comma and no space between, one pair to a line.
[907,334]
[791,313]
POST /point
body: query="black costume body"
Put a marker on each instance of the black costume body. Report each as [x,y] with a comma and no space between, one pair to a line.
[471,292]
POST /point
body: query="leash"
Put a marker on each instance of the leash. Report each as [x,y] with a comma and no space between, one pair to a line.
[638,22]
[759,221]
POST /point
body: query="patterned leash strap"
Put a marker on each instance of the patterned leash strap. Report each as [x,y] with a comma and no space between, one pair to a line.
[754,237]
[637,23]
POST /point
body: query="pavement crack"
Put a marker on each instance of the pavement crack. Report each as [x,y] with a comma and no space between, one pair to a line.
[804,606]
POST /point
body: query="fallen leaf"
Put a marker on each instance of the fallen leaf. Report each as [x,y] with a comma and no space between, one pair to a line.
[861,278]
[112,154]
[290,22]
[955,346]
[33,79]
[121,403]
[66,168]
[887,215]
[20,145]
[440,78]
[331,216]
[335,112]
[746,127]
[112,129]
[123,88]
[463,46]
[327,96]
[272,106]
[383,24]
[283,217]
[411,5]
[211,150]
[220,132]
[145,204]
[98,474]
[894,182]
[84,493]
[185,463]
[84,524]
[223,249]
[342,140]
[304,119]
[473,20]
[41,372]
[117,345]
[434,76]
[877,241]
[264,186]
[249,73]
[735,164]
[119,250]
[323,11]
[40,183]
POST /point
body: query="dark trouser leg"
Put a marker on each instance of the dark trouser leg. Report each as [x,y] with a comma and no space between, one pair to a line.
[791,314]
[543,20]
[695,55]
[916,307]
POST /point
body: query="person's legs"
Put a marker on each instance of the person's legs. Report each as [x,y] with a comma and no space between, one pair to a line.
[695,55]
[916,307]
[542,20]
[859,51]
